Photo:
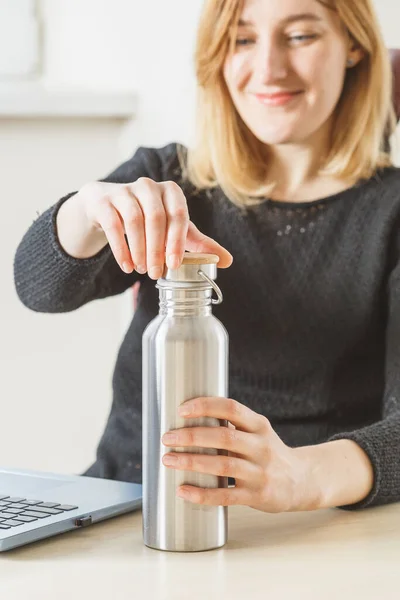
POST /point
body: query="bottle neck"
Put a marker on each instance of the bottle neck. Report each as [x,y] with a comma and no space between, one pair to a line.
[185,302]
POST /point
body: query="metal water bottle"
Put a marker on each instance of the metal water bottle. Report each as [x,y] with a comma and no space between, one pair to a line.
[185,356]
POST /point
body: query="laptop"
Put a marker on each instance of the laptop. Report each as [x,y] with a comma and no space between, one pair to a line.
[35,505]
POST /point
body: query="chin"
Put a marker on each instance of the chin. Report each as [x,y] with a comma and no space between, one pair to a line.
[277,138]
[280,133]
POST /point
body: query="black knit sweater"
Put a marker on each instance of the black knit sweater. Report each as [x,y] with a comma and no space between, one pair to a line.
[311,305]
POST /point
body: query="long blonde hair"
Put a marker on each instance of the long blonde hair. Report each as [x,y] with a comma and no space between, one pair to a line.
[227,154]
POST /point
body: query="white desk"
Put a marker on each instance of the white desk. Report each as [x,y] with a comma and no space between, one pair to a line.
[322,555]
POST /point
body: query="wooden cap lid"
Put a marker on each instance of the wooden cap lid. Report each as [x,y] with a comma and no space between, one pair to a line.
[197,258]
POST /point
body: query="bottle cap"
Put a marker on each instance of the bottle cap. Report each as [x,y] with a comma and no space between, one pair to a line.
[197,258]
[197,268]
[191,264]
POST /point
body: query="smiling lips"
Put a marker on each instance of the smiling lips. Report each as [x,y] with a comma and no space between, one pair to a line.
[276,99]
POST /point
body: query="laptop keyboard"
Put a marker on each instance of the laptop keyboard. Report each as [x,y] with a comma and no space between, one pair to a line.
[18,511]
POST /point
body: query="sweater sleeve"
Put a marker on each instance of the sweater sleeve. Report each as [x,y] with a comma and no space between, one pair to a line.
[47,279]
[381,440]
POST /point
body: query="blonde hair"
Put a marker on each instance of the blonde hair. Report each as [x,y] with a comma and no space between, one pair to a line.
[227,154]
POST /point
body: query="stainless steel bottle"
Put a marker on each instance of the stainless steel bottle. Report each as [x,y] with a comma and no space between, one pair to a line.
[185,356]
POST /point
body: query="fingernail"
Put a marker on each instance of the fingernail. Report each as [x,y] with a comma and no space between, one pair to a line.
[169,438]
[170,459]
[127,267]
[141,269]
[173,261]
[182,493]
[155,272]
[185,410]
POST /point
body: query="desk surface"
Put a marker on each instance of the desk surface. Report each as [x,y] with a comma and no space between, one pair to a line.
[321,555]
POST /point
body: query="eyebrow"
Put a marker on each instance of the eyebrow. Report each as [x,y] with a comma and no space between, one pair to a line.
[291,19]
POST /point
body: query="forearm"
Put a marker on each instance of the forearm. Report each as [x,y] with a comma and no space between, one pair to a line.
[338,473]
[76,236]
[48,280]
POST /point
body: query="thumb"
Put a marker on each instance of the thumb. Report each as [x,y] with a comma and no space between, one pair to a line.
[198,242]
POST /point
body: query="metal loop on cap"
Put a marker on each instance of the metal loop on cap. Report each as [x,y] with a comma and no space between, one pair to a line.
[214,286]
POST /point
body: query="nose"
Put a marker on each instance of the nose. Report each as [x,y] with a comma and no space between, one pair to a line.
[270,63]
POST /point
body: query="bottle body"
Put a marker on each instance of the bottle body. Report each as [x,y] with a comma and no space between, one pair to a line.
[185,356]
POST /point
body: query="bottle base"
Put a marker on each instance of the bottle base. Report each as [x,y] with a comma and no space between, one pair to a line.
[216,547]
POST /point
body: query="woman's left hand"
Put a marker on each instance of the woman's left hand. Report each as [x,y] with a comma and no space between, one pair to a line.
[269,475]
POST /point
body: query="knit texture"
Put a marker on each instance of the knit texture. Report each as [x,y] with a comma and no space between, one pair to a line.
[311,305]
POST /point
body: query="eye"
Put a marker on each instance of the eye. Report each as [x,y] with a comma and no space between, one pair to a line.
[302,38]
[244,42]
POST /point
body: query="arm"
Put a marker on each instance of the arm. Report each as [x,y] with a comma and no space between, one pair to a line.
[339,473]
[75,234]
[361,468]
[49,280]
[53,271]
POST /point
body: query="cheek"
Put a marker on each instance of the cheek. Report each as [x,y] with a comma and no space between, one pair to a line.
[327,82]
[236,72]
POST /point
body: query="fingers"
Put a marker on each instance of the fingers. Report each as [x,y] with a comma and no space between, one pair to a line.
[215,496]
[111,223]
[149,196]
[133,222]
[223,466]
[198,242]
[155,219]
[168,229]
[241,416]
[222,438]
[178,223]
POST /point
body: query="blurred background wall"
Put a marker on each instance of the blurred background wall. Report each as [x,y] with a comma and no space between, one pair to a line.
[83,83]
[129,62]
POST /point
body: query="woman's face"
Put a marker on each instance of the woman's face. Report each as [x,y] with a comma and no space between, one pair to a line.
[287,46]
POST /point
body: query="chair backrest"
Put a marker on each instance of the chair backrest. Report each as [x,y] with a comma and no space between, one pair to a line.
[395,60]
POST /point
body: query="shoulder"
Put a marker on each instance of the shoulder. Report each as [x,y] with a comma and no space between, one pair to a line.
[159,164]
[171,157]
[377,211]
[164,161]
[387,182]
[167,165]
[379,196]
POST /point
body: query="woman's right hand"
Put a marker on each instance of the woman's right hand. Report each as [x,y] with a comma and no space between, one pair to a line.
[154,217]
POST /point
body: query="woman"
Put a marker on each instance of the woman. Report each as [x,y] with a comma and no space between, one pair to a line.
[290,173]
